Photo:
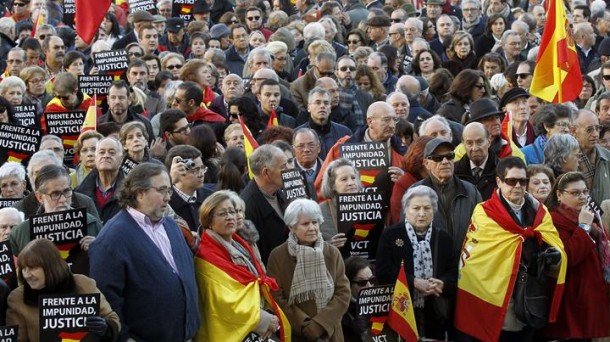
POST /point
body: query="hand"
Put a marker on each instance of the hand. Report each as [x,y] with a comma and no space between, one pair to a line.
[157,148]
[436,287]
[338,240]
[85,242]
[395,173]
[585,216]
[422,285]
[93,71]
[177,170]
[313,331]
[274,325]
[96,325]
[219,149]
[552,256]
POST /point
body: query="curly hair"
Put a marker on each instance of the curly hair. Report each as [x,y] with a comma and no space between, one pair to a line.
[377,89]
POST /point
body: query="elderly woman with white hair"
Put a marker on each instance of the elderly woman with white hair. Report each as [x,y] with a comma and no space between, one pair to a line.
[429,263]
[282,63]
[314,291]
[12,180]
[13,88]
[561,153]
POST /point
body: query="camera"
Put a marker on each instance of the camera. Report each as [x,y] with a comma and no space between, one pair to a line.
[189,163]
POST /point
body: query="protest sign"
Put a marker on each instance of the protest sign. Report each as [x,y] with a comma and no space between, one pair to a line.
[113,62]
[95,84]
[64,317]
[18,143]
[63,228]
[69,7]
[8,202]
[375,300]
[25,115]
[67,126]
[143,5]
[183,9]
[295,185]
[9,333]
[7,264]
[371,159]
[128,164]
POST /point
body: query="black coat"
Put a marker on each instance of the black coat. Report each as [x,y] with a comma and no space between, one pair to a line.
[131,116]
[88,188]
[487,182]
[189,212]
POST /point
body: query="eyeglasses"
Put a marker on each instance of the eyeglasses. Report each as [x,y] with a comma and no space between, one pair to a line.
[440,157]
[563,124]
[364,282]
[577,193]
[225,214]
[480,86]
[165,191]
[523,75]
[234,21]
[257,17]
[469,9]
[309,146]
[185,128]
[514,181]
[134,54]
[198,169]
[346,68]
[391,33]
[591,129]
[174,66]
[353,42]
[396,20]
[36,81]
[606,77]
[19,4]
[325,72]
[56,195]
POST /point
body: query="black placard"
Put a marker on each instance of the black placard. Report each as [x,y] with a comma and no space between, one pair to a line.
[142,5]
[128,164]
[375,300]
[67,126]
[95,84]
[295,185]
[69,12]
[7,263]
[362,216]
[25,114]
[18,142]
[64,228]
[64,317]
[111,62]
[183,9]
[367,155]
[8,202]
[9,333]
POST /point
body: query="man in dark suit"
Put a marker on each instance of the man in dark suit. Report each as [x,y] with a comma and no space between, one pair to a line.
[140,18]
[266,202]
[306,146]
[232,87]
[445,29]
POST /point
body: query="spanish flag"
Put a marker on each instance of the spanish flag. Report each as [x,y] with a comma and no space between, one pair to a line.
[402,316]
[89,17]
[557,76]
[272,119]
[250,143]
[230,294]
[39,22]
[90,123]
[489,264]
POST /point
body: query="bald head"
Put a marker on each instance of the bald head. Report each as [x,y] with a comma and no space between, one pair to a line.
[400,103]
[265,73]
[409,86]
[378,109]
[476,140]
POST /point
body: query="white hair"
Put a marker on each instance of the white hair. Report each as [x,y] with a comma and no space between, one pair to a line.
[313,31]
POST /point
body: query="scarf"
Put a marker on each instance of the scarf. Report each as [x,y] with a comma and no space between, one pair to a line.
[505,12]
[468,26]
[422,260]
[311,280]
[238,253]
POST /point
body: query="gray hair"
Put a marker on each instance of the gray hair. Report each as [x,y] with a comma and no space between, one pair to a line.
[327,190]
[509,33]
[51,137]
[48,173]
[423,41]
[317,90]
[41,156]
[13,211]
[475,2]
[263,157]
[304,207]
[326,56]
[276,47]
[305,130]
[238,201]
[12,81]
[437,117]
[12,169]
[558,148]
[7,25]
[313,31]
[420,190]
[163,2]
[119,149]
[259,51]
[418,23]
[327,20]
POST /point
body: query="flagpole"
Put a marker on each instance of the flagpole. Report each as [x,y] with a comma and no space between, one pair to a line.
[557,68]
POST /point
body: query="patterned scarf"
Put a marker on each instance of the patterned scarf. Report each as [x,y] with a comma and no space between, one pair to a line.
[587,166]
[422,260]
[310,280]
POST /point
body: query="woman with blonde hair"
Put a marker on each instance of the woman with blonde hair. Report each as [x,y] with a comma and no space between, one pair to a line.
[173,62]
[367,80]
[461,53]
[201,73]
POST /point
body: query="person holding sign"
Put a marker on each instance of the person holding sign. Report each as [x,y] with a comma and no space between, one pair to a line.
[42,271]
[313,289]
[67,96]
[429,261]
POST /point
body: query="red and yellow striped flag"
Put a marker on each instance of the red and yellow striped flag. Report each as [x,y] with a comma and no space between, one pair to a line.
[557,76]
[377,323]
[39,22]
[90,123]
[272,119]
[402,316]
[250,143]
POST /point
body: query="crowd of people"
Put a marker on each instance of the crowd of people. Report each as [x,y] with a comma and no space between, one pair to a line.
[495,203]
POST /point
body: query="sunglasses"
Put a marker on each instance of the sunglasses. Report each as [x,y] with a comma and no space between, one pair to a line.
[254,18]
[42,36]
[234,21]
[396,20]
[19,4]
[439,158]
[514,181]
[134,54]
[606,77]
[346,68]
[364,282]
[64,98]
[326,73]
[172,67]
[235,115]
[523,75]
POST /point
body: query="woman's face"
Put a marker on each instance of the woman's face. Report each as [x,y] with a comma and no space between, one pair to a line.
[430,31]
[463,48]
[279,61]
[426,63]
[174,65]
[306,230]
[605,140]
[4,115]
[234,114]
[101,35]
[571,163]
[498,26]
[574,195]
[298,36]
[353,42]
[539,186]
[87,153]
[107,25]
[134,53]
[345,180]
[586,92]
[153,69]
[35,85]
[198,47]
[77,68]
[561,126]
[135,141]
[364,83]
[490,69]
[35,277]
[240,215]
[12,187]
[14,95]
[204,75]
[478,91]
[419,212]
[363,279]
[236,139]
[257,39]
[224,220]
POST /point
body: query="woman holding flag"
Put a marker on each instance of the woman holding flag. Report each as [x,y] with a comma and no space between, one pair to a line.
[234,292]
[429,264]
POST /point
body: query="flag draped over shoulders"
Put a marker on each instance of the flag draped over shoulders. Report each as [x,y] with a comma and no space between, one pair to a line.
[230,295]
[489,264]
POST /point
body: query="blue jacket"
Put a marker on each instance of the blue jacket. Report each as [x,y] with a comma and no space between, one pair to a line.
[153,302]
[328,134]
[534,152]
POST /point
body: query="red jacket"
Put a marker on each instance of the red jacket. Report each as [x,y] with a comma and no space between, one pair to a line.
[205,115]
[400,187]
[585,306]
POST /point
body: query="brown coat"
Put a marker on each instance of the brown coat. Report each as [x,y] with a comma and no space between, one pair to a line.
[281,266]
[27,317]
[300,89]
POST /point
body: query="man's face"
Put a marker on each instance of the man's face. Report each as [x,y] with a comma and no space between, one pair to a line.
[194,177]
[377,33]
[42,34]
[604,110]
[444,26]
[375,64]
[538,12]
[433,11]
[58,188]
[254,20]
[512,47]
[397,16]
[55,147]
[269,97]
[588,36]
[8,221]
[492,124]
[318,106]
[153,202]
[396,39]
[586,131]
[118,101]
[524,76]
[68,99]
[240,38]
[518,109]
[33,57]
[325,68]
[108,155]
[382,125]
[491,68]
[56,51]
[477,144]
[436,129]
[259,62]
[471,12]
[20,7]
[605,75]
[411,31]
[175,37]
[181,102]
[400,103]
[138,77]
[346,71]
[333,91]
[15,62]
[149,40]
[166,10]
[160,26]
[442,169]
[232,87]
[12,187]
[273,175]
[579,16]
[306,148]
[180,132]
